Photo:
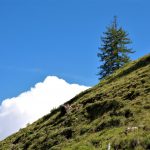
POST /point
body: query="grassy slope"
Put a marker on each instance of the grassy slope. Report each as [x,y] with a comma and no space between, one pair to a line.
[99,117]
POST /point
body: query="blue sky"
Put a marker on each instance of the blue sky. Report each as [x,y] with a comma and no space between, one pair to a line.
[61,37]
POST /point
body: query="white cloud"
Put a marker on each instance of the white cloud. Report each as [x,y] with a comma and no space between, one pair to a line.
[16,112]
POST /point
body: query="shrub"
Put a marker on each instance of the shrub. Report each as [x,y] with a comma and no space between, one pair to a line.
[114,122]
[99,108]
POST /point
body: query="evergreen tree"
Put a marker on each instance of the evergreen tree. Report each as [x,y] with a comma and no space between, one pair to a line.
[113,51]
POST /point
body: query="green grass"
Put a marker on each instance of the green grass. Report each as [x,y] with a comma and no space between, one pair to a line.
[99,116]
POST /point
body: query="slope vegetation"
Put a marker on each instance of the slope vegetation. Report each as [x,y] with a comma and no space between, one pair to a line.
[114,114]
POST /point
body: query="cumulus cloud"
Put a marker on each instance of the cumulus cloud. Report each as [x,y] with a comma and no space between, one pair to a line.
[29,106]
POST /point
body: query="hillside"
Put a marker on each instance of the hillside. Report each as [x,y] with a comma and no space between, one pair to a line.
[114,114]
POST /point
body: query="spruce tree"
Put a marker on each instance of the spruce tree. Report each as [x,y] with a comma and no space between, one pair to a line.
[113,51]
